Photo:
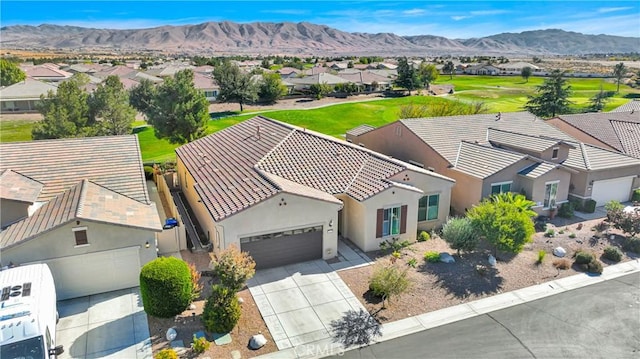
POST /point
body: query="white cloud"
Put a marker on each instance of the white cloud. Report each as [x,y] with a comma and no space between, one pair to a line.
[459,17]
[488,12]
[413,12]
[604,10]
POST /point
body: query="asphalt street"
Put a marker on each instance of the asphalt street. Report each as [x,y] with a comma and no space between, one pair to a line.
[597,321]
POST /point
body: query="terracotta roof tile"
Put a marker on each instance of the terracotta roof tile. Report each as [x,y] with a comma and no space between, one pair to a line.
[629,135]
[483,160]
[18,187]
[599,126]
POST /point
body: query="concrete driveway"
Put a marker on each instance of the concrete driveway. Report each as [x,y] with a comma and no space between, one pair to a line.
[299,301]
[107,325]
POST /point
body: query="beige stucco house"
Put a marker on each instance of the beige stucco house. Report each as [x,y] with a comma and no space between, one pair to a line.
[286,194]
[517,152]
[81,206]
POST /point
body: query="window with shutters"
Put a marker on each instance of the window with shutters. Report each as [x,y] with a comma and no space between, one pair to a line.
[391,221]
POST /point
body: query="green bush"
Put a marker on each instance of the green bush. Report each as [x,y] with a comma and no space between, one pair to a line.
[572,235]
[432,256]
[148,172]
[424,236]
[589,206]
[612,254]
[576,204]
[168,353]
[460,234]
[221,311]
[412,262]
[583,257]
[387,281]
[595,267]
[541,255]
[636,195]
[165,287]
[200,345]
[549,233]
[566,210]
[394,245]
[632,244]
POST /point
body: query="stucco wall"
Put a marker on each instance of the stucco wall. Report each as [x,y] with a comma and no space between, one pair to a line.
[61,243]
[506,175]
[272,215]
[12,211]
[466,192]
[582,181]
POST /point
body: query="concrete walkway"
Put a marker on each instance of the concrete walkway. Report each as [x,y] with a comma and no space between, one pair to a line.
[392,330]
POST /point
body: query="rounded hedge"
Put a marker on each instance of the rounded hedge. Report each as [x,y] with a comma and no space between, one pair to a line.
[222,310]
[165,286]
[584,257]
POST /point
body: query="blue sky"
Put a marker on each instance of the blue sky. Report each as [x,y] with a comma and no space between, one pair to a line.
[453,19]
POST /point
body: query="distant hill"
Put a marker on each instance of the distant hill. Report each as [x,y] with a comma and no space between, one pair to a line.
[301,38]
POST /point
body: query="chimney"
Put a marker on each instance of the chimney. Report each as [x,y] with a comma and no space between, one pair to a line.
[258,131]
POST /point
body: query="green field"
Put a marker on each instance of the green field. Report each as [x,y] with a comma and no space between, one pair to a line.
[506,94]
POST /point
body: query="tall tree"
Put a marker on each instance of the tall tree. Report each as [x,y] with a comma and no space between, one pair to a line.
[407,76]
[526,73]
[141,95]
[109,108]
[552,97]
[597,102]
[271,88]
[179,112]
[448,68]
[235,85]
[10,73]
[427,73]
[65,113]
[619,72]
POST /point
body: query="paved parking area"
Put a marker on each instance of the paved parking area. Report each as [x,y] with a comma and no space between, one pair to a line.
[299,301]
[107,325]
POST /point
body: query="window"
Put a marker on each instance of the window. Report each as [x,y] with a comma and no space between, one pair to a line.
[81,236]
[554,154]
[391,221]
[428,207]
[550,191]
[502,187]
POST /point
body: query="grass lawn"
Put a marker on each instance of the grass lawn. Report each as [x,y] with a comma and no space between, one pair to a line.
[15,130]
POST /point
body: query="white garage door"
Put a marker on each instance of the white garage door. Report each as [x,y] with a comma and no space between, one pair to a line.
[77,276]
[614,189]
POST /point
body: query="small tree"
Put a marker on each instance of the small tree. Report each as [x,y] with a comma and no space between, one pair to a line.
[427,73]
[235,85]
[388,281]
[141,95]
[407,76]
[460,234]
[552,97]
[449,68]
[628,222]
[526,73]
[233,267]
[221,311]
[355,328]
[320,90]
[165,287]
[597,102]
[271,88]
[505,221]
[10,73]
[619,72]
[109,108]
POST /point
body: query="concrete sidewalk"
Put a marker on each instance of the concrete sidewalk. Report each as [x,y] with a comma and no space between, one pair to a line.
[459,312]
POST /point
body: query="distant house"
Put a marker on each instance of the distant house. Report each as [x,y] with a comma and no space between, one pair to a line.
[24,96]
[304,83]
[285,194]
[515,68]
[288,72]
[46,72]
[482,69]
[508,152]
[87,216]
[207,85]
[367,80]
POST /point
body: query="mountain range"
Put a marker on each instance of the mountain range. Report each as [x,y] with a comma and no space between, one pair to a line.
[303,39]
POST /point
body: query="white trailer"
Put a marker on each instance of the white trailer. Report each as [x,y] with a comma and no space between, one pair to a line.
[28,313]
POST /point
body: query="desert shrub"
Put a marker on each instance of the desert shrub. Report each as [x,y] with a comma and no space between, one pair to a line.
[572,235]
[388,281]
[394,245]
[595,267]
[541,255]
[460,234]
[583,257]
[600,227]
[424,236]
[612,254]
[561,231]
[195,280]
[562,263]
[233,267]
[167,353]
[636,195]
[549,233]
[396,254]
[165,287]
[412,262]
[589,206]
[632,244]
[148,172]
[200,345]
[566,210]
[432,257]
[221,311]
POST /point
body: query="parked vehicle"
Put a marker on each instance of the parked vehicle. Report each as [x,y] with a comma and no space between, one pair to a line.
[28,314]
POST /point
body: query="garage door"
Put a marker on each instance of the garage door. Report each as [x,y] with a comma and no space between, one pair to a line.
[617,189]
[286,247]
[77,276]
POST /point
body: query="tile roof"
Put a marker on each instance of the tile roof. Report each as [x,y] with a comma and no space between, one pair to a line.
[49,71]
[589,157]
[320,78]
[18,187]
[629,135]
[29,89]
[86,201]
[599,126]
[444,134]
[360,130]
[518,140]
[633,105]
[538,169]
[249,162]
[110,161]
[483,161]
[364,77]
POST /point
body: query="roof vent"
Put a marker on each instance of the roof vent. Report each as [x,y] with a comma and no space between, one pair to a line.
[498,116]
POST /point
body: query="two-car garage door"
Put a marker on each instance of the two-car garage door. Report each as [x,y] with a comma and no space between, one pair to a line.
[617,189]
[285,247]
[80,275]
